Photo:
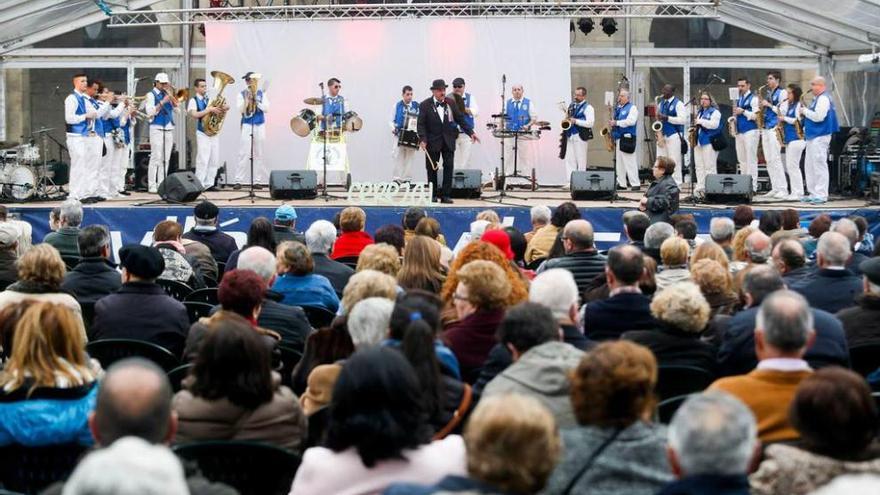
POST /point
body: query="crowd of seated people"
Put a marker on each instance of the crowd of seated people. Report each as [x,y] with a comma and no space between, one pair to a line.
[522,362]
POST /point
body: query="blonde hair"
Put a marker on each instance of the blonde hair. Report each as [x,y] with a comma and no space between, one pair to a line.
[487,286]
[739,243]
[294,258]
[421,264]
[711,251]
[674,251]
[683,306]
[512,443]
[368,283]
[381,257]
[711,277]
[352,219]
[42,264]
[489,216]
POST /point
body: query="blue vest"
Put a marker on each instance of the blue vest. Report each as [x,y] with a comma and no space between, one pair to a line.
[621,113]
[743,124]
[668,108]
[126,130]
[335,107]
[770,117]
[468,117]
[704,135]
[165,115]
[101,125]
[580,113]
[827,127]
[81,128]
[790,130]
[201,104]
[258,117]
[400,112]
[517,117]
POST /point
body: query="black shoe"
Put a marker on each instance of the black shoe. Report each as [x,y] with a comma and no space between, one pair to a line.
[257,187]
[446,201]
[125,193]
[236,187]
[89,200]
[635,188]
[435,200]
[211,189]
[621,188]
[101,198]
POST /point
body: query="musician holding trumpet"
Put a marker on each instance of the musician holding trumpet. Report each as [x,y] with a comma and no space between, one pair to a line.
[746,115]
[161,105]
[793,134]
[208,153]
[673,116]
[708,125]
[253,104]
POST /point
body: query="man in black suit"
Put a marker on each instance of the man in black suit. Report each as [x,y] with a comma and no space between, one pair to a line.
[438,117]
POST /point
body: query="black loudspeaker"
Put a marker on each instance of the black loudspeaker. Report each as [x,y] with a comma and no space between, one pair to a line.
[728,188]
[181,187]
[592,184]
[465,183]
[874,191]
[293,184]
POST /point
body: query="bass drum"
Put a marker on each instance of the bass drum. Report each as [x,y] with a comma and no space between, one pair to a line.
[351,122]
[19,182]
[304,123]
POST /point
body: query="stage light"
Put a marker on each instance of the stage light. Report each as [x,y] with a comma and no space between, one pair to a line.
[609,26]
[585,25]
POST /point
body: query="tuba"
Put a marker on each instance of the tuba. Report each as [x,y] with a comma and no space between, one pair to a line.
[212,123]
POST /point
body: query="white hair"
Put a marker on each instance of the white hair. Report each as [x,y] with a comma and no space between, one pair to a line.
[368,321]
[320,237]
[129,465]
[834,248]
[258,260]
[848,229]
[540,214]
[556,290]
[657,233]
[851,483]
[71,213]
[721,229]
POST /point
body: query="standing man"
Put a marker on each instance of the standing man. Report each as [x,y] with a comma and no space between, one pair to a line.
[582,117]
[160,106]
[334,106]
[747,131]
[673,116]
[80,115]
[403,155]
[208,155]
[708,125]
[463,143]
[520,116]
[789,111]
[820,122]
[253,105]
[95,143]
[124,122]
[109,160]
[770,143]
[624,125]
[437,135]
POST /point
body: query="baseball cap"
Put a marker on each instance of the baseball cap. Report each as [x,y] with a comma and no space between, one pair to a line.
[162,78]
[285,213]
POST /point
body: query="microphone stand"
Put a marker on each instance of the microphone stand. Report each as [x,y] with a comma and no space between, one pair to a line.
[162,200]
[502,180]
[251,195]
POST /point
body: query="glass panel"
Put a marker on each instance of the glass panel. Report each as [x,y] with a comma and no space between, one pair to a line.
[98,35]
[673,33]
[597,80]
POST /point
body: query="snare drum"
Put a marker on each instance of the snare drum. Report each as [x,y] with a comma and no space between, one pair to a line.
[408,137]
[351,122]
[28,153]
[304,123]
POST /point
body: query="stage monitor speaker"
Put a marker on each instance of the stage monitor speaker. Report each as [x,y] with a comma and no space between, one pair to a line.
[181,187]
[592,184]
[874,191]
[728,188]
[466,183]
[293,184]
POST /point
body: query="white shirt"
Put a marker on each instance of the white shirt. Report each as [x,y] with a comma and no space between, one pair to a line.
[631,118]
[681,117]
[153,108]
[823,105]
[589,116]
[191,106]
[784,364]
[783,109]
[783,97]
[753,108]
[71,103]
[440,109]
[712,122]
[473,106]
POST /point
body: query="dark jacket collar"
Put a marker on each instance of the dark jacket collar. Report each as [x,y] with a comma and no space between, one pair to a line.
[94,265]
[69,231]
[584,253]
[271,295]
[869,302]
[140,288]
[829,273]
[708,483]
[28,287]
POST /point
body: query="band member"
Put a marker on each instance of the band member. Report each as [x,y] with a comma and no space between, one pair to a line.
[708,125]
[624,125]
[334,106]
[673,116]
[582,117]
[253,104]
[95,143]
[747,131]
[125,122]
[109,160]
[161,106]
[403,155]
[463,145]
[80,115]
[769,142]
[520,116]
[789,111]
[820,122]
[438,132]
[208,153]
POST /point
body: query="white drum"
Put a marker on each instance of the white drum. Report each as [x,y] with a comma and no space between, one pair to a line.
[19,182]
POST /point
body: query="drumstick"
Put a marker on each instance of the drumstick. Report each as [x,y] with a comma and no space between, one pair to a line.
[433,164]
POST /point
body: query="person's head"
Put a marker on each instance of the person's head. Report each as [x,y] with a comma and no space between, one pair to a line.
[8,237]
[54,218]
[438,89]
[623,97]
[667,90]
[285,216]
[94,242]
[411,306]
[412,216]
[484,251]
[657,234]
[518,243]
[206,214]
[577,236]
[743,85]
[71,213]
[489,216]
[674,252]
[624,267]
[681,306]
[201,86]
[134,399]
[580,94]
[613,385]
[380,257]
[167,230]
[817,84]
[770,222]
[242,292]
[794,93]
[760,282]
[833,250]
[743,216]
[368,283]
[564,213]
[333,86]
[458,86]
[481,285]
[834,413]
[648,281]
[711,277]
[663,166]
[392,235]
[525,326]
[686,229]
[819,225]
[788,255]
[261,234]
[421,263]
[712,433]
[260,261]
[407,94]
[848,229]
[352,219]
[512,443]
[162,81]
[705,100]
[774,77]
[712,251]
[740,253]
[635,224]
[93,87]
[784,326]
[320,237]
[791,219]
[758,247]
[293,258]
[871,277]
[368,321]
[517,91]
[80,82]
[539,216]
[429,227]
[42,264]
[556,290]
[377,407]
[721,230]
[861,224]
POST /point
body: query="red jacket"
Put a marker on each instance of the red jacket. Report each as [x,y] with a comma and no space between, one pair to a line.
[350,244]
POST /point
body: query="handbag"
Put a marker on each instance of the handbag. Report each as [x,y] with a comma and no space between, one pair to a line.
[718,142]
[465,404]
[592,460]
[628,143]
[585,133]
[684,144]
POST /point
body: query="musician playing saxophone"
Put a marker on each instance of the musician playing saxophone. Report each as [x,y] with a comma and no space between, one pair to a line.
[708,123]
[208,147]
[672,114]
[253,104]
[769,141]
[624,126]
[789,111]
[582,117]
[747,131]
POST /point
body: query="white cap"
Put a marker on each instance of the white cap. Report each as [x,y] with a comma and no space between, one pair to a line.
[162,78]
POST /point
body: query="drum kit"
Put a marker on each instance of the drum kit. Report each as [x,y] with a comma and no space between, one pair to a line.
[23,176]
[306,121]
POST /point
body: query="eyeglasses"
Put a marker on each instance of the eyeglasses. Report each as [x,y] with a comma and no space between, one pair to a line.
[457,86]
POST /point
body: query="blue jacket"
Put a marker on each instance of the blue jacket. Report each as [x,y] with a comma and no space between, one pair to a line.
[48,416]
[307,290]
[609,318]
[830,290]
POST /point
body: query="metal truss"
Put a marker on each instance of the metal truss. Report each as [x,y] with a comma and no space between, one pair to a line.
[618,9]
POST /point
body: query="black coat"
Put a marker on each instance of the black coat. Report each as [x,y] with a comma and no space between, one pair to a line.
[708,484]
[583,265]
[662,199]
[862,323]
[337,273]
[8,270]
[672,346]
[92,279]
[830,290]
[609,318]
[289,321]
[281,233]
[436,133]
[220,243]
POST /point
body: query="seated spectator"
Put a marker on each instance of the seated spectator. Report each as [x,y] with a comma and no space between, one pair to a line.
[681,313]
[626,307]
[836,417]
[368,321]
[862,322]
[367,283]
[489,216]
[712,444]
[512,446]
[380,257]
[24,229]
[518,245]
[790,260]
[260,234]
[783,333]
[430,227]
[711,251]
[740,252]
[721,231]
[353,239]
[54,218]
[207,231]
[543,239]
[377,432]
[95,276]
[791,227]
[8,254]
[541,362]
[555,290]
[581,257]
[48,385]
[410,220]
[686,229]
[770,222]
[635,224]
[326,346]
[866,239]
[320,237]
[674,255]
[284,226]
[757,252]
[297,283]
[66,238]
[661,199]
[421,266]
[818,226]
[655,236]
[419,305]
[233,394]
[178,266]
[612,393]
[716,285]
[539,217]
[743,216]
[392,235]
[201,258]
[140,309]
[832,287]
[850,230]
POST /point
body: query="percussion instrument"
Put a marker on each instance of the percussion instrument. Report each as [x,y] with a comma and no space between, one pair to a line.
[304,123]
[351,122]
[525,135]
[28,153]
[19,182]
[408,136]
[314,100]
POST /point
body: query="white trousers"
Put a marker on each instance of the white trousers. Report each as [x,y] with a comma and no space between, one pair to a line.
[207,158]
[816,166]
[575,155]
[627,167]
[80,174]
[672,149]
[107,169]
[160,140]
[402,157]
[773,159]
[747,155]
[793,152]
[463,152]
[705,163]
[120,168]
[522,159]
[261,173]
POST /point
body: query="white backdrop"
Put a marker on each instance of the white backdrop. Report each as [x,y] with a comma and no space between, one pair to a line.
[374,59]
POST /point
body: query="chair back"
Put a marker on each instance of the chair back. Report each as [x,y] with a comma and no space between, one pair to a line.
[209,281]
[108,351]
[249,467]
[32,469]
[675,380]
[865,358]
[88,314]
[70,261]
[177,375]
[196,310]
[318,316]
[175,289]
[221,269]
[207,295]
[350,261]
[666,409]
[290,357]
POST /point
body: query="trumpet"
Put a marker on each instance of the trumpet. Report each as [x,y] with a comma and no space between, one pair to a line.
[798,126]
[128,99]
[253,81]
[657,126]
[177,96]
[565,125]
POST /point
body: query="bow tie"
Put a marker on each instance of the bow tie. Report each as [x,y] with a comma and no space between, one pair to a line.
[439,104]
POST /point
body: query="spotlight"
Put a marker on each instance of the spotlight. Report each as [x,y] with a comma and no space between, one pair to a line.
[585,25]
[609,26]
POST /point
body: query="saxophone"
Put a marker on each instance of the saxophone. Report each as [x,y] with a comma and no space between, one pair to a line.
[759,115]
[212,123]
[606,132]
[565,126]
[657,126]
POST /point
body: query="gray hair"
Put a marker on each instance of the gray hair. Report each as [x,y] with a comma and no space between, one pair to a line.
[759,247]
[368,321]
[849,229]
[786,320]
[761,281]
[713,433]
[92,239]
[320,237]
[258,260]
[71,213]
[540,214]
[556,290]
[834,248]
[657,233]
[721,229]
[579,232]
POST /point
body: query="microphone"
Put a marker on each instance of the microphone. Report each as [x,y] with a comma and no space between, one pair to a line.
[503,78]
[55,91]
[719,78]
[321,84]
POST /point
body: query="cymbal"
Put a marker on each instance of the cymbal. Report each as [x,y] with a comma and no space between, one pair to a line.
[314,100]
[44,129]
